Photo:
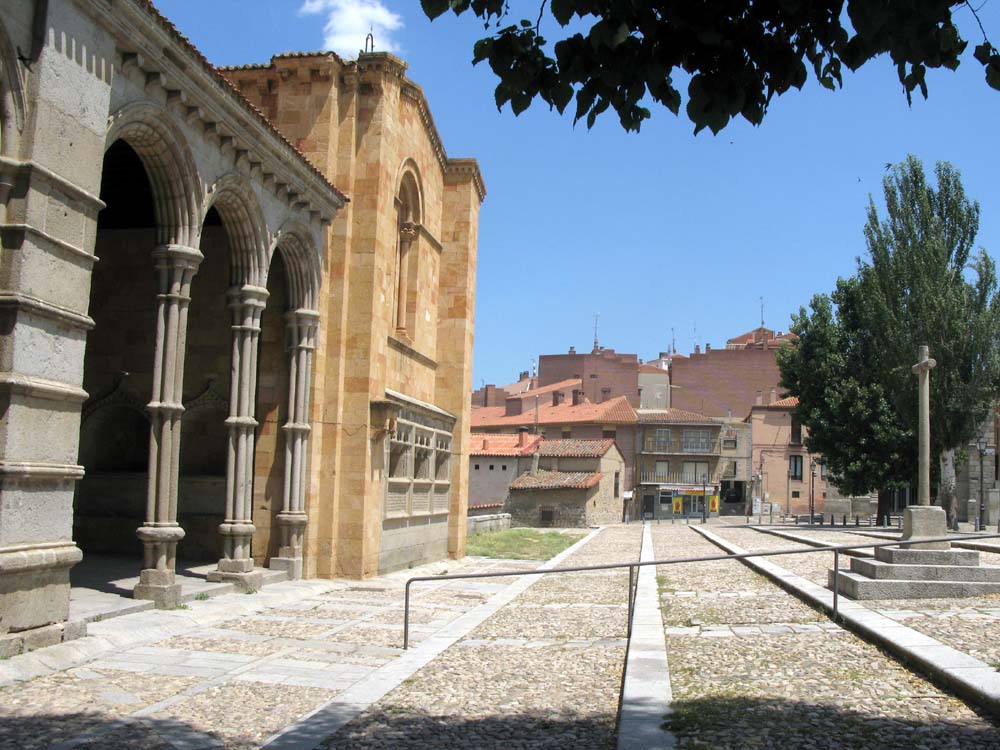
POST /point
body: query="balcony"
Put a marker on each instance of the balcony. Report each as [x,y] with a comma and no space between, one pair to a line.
[676,477]
[681,446]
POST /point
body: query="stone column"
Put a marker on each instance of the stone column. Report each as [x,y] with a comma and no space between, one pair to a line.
[302,327]
[236,566]
[925,520]
[176,266]
[407,233]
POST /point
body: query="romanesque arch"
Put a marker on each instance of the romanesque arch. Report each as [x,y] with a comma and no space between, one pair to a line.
[170,168]
[409,210]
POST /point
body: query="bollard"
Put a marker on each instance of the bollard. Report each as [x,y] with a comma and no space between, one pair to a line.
[845,520]
[857,520]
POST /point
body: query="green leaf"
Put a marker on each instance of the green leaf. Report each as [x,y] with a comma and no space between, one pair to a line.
[434,8]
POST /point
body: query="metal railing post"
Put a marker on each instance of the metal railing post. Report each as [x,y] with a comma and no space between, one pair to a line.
[406,617]
[836,583]
[631,598]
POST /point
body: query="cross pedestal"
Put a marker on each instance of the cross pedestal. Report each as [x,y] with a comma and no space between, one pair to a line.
[924,520]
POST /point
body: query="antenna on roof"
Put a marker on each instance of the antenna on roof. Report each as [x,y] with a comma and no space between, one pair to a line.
[673,342]
[761,312]
[597,317]
[534,368]
[370,39]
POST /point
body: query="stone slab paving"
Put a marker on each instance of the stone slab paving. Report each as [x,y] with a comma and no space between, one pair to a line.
[791,681]
[542,672]
[229,672]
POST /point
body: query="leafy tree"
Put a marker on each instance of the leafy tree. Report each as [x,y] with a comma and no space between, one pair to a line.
[921,284]
[739,53]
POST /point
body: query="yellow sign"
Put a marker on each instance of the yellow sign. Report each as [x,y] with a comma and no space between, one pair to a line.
[713,504]
[678,504]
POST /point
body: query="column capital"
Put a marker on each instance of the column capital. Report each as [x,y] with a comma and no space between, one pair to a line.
[408,231]
[247,294]
[178,255]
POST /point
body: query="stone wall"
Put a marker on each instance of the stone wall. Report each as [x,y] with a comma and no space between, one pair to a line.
[479,524]
[568,507]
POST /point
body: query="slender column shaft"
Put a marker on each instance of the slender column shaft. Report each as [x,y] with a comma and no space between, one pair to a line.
[246,303]
[175,269]
[302,326]
[406,236]
[923,370]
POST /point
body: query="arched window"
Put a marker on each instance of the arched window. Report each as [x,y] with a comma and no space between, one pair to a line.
[408,208]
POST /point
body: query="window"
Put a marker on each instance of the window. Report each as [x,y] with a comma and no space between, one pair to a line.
[491,467]
[795,494]
[795,467]
[729,472]
[418,467]
[730,440]
[503,467]
[696,441]
[609,433]
[477,467]
[548,516]
[822,470]
[663,435]
[566,433]
[617,486]
[662,471]
[694,472]
[796,438]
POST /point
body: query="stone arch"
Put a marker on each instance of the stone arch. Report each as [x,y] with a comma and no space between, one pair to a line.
[233,198]
[302,265]
[410,193]
[12,107]
[170,168]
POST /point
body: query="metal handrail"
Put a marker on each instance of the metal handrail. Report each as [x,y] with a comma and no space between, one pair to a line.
[836,549]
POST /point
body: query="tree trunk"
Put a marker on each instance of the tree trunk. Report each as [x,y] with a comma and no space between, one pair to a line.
[947,498]
[884,507]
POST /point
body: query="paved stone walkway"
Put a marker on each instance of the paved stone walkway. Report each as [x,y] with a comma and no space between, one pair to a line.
[227,680]
[543,672]
[753,667]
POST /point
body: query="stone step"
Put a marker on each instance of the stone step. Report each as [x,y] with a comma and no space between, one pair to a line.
[901,556]
[890,571]
[857,586]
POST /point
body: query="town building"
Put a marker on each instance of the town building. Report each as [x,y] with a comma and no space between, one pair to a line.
[654,386]
[784,472]
[687,463]
[722,382]
[493,465]
[568,483]
[563,412]
[604,373]
[761,338]
[257,372]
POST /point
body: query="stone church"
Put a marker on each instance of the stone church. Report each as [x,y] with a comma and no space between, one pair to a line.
[236,312]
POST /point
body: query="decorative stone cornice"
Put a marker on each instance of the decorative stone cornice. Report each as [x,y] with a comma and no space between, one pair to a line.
[467,169]
[45,309]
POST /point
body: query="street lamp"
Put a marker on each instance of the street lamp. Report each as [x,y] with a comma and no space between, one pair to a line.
[812,493]
[981,443]
[704,497]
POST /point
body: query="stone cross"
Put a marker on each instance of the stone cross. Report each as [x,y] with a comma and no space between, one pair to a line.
[923,371]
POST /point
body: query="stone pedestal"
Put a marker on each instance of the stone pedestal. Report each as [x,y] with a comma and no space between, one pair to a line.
[159,586]
[925,521]
[34,586]
[157,579]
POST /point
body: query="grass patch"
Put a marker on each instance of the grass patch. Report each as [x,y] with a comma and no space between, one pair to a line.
[521,544]
[202,597]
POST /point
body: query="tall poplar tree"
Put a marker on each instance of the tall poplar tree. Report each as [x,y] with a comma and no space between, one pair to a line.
[921,283]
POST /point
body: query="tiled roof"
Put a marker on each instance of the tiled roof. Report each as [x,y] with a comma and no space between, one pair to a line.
[616,411]
[203,61]
[652,370]
[502,444]
[657,416]
[556,480]
[789,402]
[574,448]
[562,385]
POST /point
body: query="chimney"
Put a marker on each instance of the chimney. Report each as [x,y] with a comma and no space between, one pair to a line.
[577,397]
[557,398]
[534,462]
[697,348]
[664,355]
[759,400]
[489,399]
[523,375]
[708,348]
[514,406]
[774,395]
[522,437]
[572,350]
[486,444]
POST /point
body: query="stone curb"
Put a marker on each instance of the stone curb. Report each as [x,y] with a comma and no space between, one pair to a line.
[646,693]
[859,552]
[315,727]
[970,678]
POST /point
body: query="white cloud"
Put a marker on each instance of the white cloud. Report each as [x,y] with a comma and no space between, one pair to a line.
[348,22]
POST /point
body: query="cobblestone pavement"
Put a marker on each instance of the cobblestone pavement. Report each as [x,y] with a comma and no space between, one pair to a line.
[970,624]
[543,672]
[760,671]
[235,682]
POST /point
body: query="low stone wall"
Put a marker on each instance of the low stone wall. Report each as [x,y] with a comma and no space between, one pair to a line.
[492,522]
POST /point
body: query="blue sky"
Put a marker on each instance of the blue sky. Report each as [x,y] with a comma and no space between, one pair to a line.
[660,229]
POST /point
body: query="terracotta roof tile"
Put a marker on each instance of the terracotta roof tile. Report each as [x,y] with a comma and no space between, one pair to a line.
[657,416]
[227,84]
[502,444]
[556,480]
[789,402]
[616,411]
[575,448]
[652,369]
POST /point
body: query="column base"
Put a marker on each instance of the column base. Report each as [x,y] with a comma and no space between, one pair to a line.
[247,582]
[159,587]
[34,586]
[292,566]
[925,521]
